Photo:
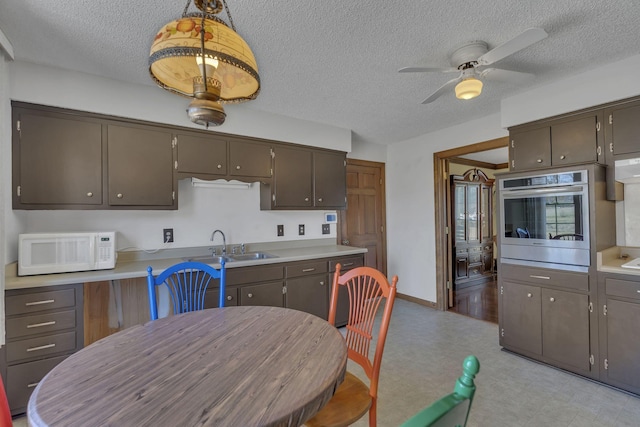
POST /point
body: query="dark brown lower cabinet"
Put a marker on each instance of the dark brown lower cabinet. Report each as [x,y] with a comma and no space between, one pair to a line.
[619,312]
[43,327]
[307,287]
[547,315]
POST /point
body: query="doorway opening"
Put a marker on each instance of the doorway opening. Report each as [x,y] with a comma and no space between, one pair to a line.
[472,301]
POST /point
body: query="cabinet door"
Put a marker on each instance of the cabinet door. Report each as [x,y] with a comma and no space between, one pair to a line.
[462,265]
[309,294]
[530,149]
[624,124]
[249,159]
[460,212]
[521,318]
[211,298]
[60,161]
[202,155]
[565,332]
[575,141]
[622,344]
[329,180]
[269,294]
[140,167]
[486,208]
[473,213]
[292,179]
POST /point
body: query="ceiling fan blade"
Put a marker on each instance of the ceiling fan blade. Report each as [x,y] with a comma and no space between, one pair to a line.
[445,87]
[519,42]
[426,70]
[496,74]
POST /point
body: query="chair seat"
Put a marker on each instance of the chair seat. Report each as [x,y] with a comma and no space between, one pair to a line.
[349,403]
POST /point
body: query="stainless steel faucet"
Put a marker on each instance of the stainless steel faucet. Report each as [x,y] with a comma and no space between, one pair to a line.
[224,240]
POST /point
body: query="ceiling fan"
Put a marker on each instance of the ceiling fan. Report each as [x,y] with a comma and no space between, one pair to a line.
[471,61]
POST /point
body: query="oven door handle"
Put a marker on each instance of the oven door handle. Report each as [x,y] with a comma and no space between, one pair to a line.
[547,190]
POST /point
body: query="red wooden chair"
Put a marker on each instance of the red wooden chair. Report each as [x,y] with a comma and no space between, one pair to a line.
[367,289]
[5,413]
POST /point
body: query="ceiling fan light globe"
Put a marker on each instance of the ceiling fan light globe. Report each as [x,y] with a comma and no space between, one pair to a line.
[468,88]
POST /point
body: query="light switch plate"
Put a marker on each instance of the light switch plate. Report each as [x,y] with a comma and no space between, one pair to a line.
[301,230]
[326,228]
[280,230]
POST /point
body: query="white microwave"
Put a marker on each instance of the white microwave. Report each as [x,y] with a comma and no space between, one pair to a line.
[45,253]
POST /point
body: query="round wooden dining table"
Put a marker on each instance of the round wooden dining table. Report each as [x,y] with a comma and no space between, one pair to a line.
[234,366]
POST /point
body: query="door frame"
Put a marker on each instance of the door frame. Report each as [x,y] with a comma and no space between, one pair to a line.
[441,161]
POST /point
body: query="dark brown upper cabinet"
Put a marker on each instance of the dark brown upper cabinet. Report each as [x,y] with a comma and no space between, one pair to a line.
[57,160]
[140,167]
[622,124]
[560,142]
[306,179]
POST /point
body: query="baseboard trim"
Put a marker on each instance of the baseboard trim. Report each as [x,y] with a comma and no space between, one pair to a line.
[420,301]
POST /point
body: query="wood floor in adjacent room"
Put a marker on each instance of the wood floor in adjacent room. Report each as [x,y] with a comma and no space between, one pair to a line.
[478,301]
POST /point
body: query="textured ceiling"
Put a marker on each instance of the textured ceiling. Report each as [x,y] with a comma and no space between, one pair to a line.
[336,62]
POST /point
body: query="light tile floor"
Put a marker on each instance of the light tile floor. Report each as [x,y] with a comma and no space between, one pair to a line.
[423,357]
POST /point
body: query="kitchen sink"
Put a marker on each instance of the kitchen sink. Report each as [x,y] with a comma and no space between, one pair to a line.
[209,259]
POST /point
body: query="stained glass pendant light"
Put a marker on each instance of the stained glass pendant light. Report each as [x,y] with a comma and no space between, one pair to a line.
[201,57]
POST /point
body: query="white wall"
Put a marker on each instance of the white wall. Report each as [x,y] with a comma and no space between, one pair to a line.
[200,210]
[410,202]
[370,152]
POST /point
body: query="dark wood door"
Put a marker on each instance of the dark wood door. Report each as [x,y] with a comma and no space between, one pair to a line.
[140,167]
[565,330]
[530,149]
[520,317]
[249,159]
[60,160]
[329,180]
[202,155]
[362,224]
[292,181]
[575,141]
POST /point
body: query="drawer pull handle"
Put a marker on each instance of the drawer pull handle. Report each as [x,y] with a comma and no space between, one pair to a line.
[349,264]
[38,325]
[307,270]
[46,301]
[32,385]
[42,347]
[540,277]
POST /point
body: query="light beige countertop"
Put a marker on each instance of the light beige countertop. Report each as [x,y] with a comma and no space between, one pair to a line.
[610,260]
[133,264]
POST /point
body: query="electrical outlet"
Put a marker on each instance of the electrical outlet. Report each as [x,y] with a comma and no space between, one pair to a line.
[167,235]
[301,230]
[326,228]
[280,230]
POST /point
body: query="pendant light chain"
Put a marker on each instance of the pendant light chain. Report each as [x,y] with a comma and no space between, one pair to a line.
[204,66]
[226,9]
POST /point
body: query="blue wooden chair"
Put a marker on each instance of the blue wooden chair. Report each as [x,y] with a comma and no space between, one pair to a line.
[187,283]
[453,409]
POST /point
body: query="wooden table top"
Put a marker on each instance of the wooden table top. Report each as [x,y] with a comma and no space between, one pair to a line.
[235,366]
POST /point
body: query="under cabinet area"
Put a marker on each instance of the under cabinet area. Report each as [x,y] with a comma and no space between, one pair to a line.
[619,313]
[548,315]
[43,327]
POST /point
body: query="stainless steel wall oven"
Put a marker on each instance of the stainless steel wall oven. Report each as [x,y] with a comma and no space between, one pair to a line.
[545,218]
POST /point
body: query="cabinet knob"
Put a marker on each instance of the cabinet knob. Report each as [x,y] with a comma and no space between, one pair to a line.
[529,295]
[345,242]
[250,295]
[89,194]
[229,297]
[563,157]
[219,166]
[238,167]
[539,160]
[119,195]
[320,199]
[321,283]
[306,199]
[552,299]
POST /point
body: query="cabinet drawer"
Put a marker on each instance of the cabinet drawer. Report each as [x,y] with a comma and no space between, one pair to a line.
[41,346]
[622,288]
[40,323]
[475,257]
[346,263]
[544,276]
[306,269]
[23,378]
[39,301]
[475,270]
[236,276]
